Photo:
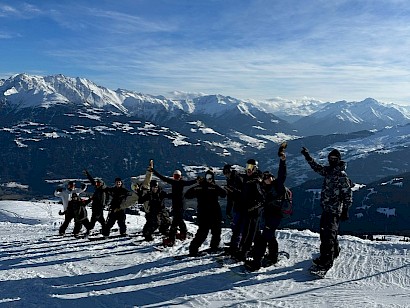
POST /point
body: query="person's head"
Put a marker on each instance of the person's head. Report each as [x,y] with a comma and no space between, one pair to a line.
[268,178]
[153,185]
[177,175]
[227,170]
[74,196]
[334,157]
[118,182]
[209,176]
[99,182]
[71,185]
[251,166]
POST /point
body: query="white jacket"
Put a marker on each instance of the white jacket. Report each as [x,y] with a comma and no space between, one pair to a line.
[65,195]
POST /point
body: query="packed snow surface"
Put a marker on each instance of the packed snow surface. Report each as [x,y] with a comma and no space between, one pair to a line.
[39,269]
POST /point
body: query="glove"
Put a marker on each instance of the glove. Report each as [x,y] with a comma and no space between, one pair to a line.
[305,153]
[345,214]
[83,186]
[61,213]
[282,148]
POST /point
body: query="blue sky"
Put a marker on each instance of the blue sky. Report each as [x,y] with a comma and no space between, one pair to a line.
[327,50]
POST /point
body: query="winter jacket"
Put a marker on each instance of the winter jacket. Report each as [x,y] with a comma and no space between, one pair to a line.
[79,209]
[207,195]
[65,195]
[177,190]
[234,188]
[99,197]
[274,192]
[118,195]
[155,200]
[336,193]
[252,196]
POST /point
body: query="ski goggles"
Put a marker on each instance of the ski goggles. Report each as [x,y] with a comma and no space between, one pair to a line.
[208,177]
[333,158]
[250,167]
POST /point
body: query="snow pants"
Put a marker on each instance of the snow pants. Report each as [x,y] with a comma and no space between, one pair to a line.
[68,216]
[177,222]
[329,244]
[116,216]
[97,215]
[267,239]
[207,222]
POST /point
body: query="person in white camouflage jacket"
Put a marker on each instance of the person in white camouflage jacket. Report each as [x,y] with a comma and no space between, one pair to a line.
[336,199]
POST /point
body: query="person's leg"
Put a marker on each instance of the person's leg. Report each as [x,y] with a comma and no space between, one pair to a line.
[121,221]
[110,223]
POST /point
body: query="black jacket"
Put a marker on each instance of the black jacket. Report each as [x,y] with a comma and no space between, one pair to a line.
[177,189]
[118,195]
[207,195]
[155,200]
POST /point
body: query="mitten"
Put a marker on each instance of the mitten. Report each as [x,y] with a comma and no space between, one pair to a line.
[282,148]
[345,214]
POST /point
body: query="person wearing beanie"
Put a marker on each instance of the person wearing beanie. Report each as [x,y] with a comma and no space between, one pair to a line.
[177,184]
[336,199]
[209,214]
[274,190]
[157,212]
[247,221]
[118,194]
[65,195]
[99,200]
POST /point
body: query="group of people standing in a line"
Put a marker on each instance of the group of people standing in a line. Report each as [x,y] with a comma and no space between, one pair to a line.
[253,205]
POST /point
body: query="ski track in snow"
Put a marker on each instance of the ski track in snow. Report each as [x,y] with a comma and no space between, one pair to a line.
[38,269]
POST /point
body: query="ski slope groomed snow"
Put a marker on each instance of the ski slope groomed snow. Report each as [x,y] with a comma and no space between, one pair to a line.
[39,269]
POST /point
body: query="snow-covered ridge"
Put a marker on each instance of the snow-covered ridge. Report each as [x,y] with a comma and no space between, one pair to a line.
[25,90]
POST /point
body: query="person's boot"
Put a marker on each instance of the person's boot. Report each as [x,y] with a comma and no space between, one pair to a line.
[181,236]
[252,265]
[168,242]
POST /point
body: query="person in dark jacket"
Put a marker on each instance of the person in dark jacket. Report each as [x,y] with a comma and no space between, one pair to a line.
[274,190]
[117,194]
[251,202]
[80,213]
[65,195]
[99,199]
[177,184]
[336,199]
[233,189]
[209,212]
[157,216]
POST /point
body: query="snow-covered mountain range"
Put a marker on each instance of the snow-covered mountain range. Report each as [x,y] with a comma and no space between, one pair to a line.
[53,127]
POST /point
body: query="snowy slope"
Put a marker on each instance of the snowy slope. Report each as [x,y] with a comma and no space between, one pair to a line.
[39,270]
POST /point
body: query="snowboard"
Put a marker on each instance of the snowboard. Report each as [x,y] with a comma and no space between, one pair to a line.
[317,271]
[201,253]
[101,237]
[130,200]
[240,269]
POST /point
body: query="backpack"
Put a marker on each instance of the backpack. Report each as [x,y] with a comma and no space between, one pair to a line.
[286,203]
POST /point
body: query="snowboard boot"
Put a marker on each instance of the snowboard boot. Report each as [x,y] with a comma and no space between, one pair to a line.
[181,236]
[168,242]
[252,265]
[148,238]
